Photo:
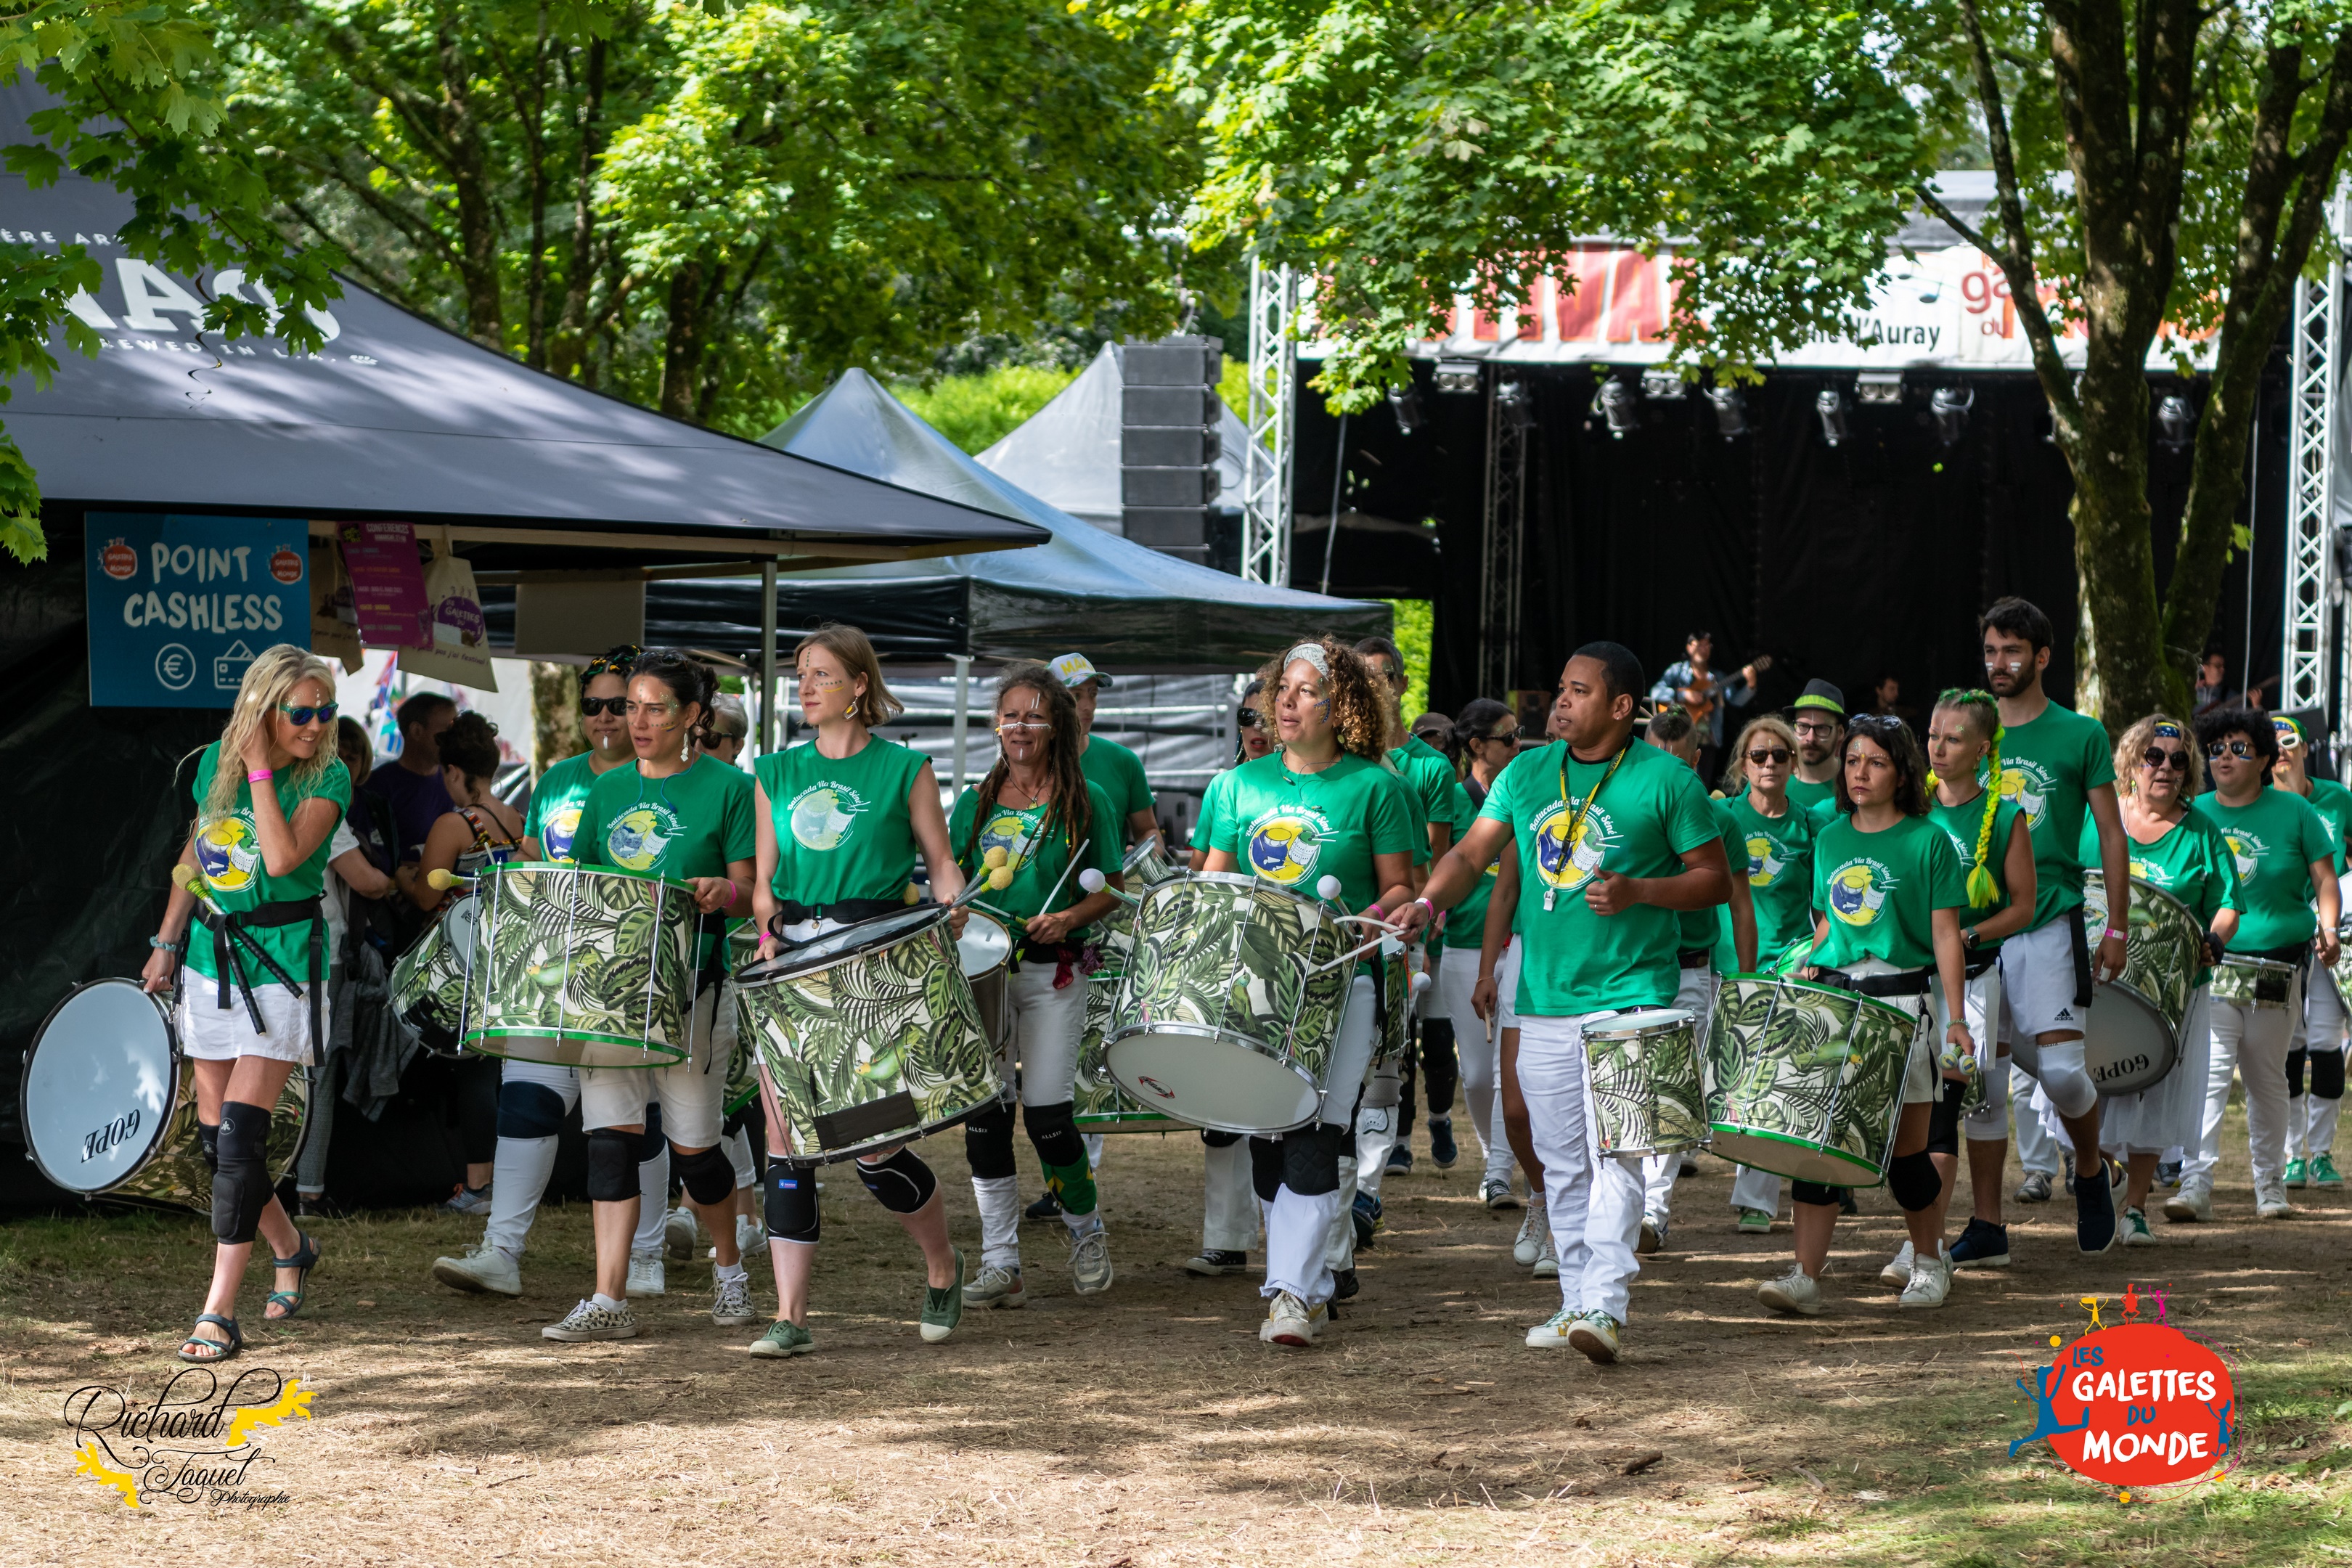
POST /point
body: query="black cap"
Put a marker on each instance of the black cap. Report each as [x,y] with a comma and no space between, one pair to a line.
[1821,694]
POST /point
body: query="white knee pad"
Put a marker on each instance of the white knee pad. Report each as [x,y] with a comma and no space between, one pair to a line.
[2070,1087]
[1988,1122]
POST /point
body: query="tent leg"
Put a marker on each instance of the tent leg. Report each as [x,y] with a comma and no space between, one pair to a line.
[963,717]
[767,657]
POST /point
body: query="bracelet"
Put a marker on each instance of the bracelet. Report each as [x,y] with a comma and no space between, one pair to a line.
[258,776]
[2118,935]
[1954,1024]
[1424,903]
[1376,912]
[167,946]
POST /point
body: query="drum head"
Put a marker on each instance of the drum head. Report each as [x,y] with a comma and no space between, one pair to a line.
[1211,1082]
[98,1085]
[459,927]
[984,947]
[2127,1046]
[824,951]
[1645,1021]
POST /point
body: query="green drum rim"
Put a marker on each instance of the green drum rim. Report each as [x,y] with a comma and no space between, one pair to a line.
[1877,1173]
[1135,1121]
[567,866]
[583,1036]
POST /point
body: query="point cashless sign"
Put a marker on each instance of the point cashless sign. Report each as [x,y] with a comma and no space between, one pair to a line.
[179,607]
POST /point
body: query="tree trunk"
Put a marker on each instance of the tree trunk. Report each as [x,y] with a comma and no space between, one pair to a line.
[555,715]
[685,344]
[477,217]
[568,348]
[2114,555]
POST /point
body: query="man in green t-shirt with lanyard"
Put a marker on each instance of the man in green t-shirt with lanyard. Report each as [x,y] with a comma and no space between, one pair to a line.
[1614,841]
[2318,1042]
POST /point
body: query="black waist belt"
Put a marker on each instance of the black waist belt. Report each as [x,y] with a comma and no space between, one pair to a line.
[1694,957]
[2294,952]
[1976,966]
[848,911]
[1903,982]
[229,938]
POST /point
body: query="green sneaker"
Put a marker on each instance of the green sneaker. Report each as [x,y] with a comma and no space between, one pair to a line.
[2324,1173]
[943,1307]
[783,1340]
[2295,1174]
[1755,1222]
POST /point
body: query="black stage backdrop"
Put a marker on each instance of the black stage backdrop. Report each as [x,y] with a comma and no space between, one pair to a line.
[1849,563]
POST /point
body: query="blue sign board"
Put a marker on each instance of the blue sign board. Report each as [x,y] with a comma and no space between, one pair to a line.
[179,607]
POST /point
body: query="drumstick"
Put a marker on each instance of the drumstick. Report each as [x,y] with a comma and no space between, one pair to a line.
[1094,881]
[187,878]
[441,880]
[1083,847]
[979,884]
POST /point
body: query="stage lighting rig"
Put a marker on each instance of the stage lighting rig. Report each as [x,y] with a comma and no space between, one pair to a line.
[1459,375]
[1730,410]
[1831,406]
[1406,403]
[1950,406]
[1621,405]
[2177,421]
[1515,405]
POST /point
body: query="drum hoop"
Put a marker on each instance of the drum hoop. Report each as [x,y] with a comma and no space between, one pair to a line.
[170,1099]
[1814,985]
[1211,1032]
[746,980]
[2247,960]
[595,1037]
[1688,1020]
[1251,880]
[1742,1130]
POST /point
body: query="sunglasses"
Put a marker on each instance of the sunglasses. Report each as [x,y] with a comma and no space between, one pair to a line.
[592,706]
[300,717]
[1249,718]
[1509,737]
[2232,748]
[2157,759]
[1774,756]
[717,736]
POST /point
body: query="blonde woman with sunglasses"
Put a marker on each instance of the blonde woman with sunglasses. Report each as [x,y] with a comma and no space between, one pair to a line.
[268,793]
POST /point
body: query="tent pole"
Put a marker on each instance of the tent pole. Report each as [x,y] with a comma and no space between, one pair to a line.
[962,715]
[766,655]
[1338,468]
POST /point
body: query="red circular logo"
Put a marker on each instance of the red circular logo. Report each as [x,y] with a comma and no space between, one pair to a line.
[286,566]
[1158,1088]
[119,561]
[2139,1404]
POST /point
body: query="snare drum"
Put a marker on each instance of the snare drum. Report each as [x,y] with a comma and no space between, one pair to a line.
[109,1109]
[429,981]
[587,967]
[985,951]
[869,1033]
[1233,1003]
[2133,1037]
[1642,1071]
[2263,984]
[1807,1080]
[1147,866]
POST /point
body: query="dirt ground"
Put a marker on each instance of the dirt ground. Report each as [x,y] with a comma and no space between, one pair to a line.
[1149,1426]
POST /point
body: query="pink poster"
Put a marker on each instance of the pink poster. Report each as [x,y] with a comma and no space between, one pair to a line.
[387,584]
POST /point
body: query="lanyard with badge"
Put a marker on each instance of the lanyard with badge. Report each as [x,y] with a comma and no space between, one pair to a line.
[1577,813]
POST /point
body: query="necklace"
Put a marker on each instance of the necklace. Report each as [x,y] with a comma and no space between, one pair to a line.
[1577,813]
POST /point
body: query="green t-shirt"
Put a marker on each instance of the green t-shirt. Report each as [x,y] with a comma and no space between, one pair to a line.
[1041,865]
[2049,767]
[1465,922]
[2273,842]
[1964,823]
[2191,862]
[2334,803]
[228,853]
[1646,817]
[1208,811]
[1879,891]
[1293,829]
[1424,767]
[693,823]
[1776,854]
[1697,929]
[1811,798]
[843,830]
[1119,773]
[555,804]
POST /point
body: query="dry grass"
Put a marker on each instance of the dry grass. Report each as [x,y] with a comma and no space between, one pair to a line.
[1150,1427]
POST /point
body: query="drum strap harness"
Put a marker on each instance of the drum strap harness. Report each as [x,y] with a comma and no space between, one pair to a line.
[229,937]
[1905,982]
[848,911]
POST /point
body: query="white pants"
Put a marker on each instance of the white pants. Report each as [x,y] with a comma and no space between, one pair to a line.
[524,1166]
[2036,1150]
[1696,995]
[1754,1189]
[1593,1204]
[2311,1118]
[1229,1208]
[1309,1237]
[691,1093]
[1506,1017]
[2253,1042]
[1475,1047]
[1043,1027]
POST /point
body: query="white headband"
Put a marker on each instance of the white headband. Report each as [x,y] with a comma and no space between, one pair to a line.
[1313,654]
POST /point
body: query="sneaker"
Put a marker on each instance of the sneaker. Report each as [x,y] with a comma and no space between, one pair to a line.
[1289,1321]
[2094,1213]
[943,1307]
[2194,1201]
[1367,1215]
[2324,1173]
[1931,1281]
[783,1340]
[646,1275]
[996,1286]
[679,1234]
[2270,1202]
[1443,1151]
[750,1235]
[2295,1175]
[1534,1230]
[1981,1246]
[468,1200]
[1209,1262]
[1755,1222]
[2035,1189]
[1498,1195]
[2136,1231]
[1344,1284]
[590,1321]
[483,1269]
[1795,1291]
[1047,1208]
[1897,1271]
[1653,1237]
[730,1304]
[1399,1157]
[1090,1268]
[1687,1169]
[2169,1172]
[1552,1333]
[1547,1264]
[1595,1334]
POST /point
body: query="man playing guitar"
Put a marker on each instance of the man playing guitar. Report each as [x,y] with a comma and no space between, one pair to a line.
[1694,685]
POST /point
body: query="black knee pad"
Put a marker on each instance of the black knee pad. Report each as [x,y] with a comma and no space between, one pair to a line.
[988,1143]
[1944,1119]
[1914,1182]
[208,1141]
[650,1142]
[791,1202]
[1053,1130]
[1816,1193]
[612,1165]
[241,1185]
[1219,1139]
[2295,1072]
[1265,1168]
[1310,1159]
[901,1183]
[709,1177]
[2328,1074]
[529,1111]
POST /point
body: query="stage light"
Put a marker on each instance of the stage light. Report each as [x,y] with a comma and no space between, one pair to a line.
[1621,405]
[1459,375]
[2177,421]
[1950,406]
[1831,406]
[1730,410]
[1663,384]
[1878,388]
[1515,405]
[1406,403]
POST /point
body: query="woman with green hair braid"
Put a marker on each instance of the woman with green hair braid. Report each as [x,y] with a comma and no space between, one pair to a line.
[1996,845]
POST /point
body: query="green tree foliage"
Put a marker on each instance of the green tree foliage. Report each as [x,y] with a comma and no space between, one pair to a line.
[976,412]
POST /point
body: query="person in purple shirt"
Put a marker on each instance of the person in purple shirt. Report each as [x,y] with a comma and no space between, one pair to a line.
[411,787]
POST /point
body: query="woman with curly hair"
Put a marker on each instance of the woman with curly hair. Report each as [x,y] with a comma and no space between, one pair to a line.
[268,793]
[1327,804]
[1037,813]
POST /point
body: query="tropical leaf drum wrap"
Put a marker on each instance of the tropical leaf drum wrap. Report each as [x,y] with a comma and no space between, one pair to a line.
[1806,1080]
[428,983]
[2163,951]
[873,1050]
[1644,1083]
[588,968]
[1101,1106]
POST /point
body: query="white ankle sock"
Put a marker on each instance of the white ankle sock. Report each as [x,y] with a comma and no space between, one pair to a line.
[601,1300]
[727,1271]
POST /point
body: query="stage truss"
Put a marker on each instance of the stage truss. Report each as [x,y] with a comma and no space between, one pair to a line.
[2312,664]
[1270,418]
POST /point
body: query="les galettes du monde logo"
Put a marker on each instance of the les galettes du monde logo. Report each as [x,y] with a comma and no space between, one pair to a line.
[2133,1403]
[195,1442]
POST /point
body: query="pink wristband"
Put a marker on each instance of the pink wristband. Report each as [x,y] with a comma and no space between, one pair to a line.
[260,775]
[1376,912]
